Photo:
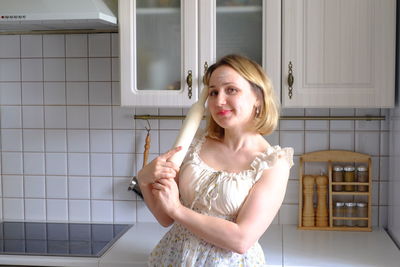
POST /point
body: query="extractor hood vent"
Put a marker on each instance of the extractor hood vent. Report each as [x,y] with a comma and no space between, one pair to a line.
[30,15]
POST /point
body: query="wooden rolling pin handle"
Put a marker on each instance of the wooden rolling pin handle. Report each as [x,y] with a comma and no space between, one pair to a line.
[189,128]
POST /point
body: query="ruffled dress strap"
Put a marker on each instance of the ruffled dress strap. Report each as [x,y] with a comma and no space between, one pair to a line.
[268,159]
[198,141]
[196,144]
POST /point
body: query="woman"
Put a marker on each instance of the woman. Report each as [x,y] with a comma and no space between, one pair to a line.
[231,183]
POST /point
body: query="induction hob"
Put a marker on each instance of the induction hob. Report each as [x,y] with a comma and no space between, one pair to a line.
[58,239]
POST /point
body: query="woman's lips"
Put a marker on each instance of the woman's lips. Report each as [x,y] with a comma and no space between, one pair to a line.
[223,112]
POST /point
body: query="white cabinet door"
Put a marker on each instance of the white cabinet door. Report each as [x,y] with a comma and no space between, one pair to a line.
[159,52]
[340,53]
[248,27]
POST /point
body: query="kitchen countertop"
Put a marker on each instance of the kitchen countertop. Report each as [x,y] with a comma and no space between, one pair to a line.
[283,245]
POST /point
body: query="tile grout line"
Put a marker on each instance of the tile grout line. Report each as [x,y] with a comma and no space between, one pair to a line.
[22,130]
[112,133]
[89,131]
[379,171]
[283,248]
[66,129]
[44,135]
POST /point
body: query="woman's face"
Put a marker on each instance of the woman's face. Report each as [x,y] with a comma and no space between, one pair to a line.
[231,100]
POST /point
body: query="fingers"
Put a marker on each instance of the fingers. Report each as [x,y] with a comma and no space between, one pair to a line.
[171,152]
[171,165]
[165,170]
[166,175]
[160,167]
[163,184]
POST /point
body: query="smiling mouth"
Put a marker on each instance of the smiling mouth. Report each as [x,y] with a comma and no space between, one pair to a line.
[223,112]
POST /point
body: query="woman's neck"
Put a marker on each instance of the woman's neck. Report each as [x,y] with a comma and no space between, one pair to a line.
[237,141]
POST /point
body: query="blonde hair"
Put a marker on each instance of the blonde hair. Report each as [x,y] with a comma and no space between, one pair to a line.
[267,119]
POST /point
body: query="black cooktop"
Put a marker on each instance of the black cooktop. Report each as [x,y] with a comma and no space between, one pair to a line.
[58,239]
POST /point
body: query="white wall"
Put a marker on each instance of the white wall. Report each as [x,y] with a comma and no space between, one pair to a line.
[68,149]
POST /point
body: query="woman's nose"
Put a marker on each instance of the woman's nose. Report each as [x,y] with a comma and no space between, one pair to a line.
[221,99]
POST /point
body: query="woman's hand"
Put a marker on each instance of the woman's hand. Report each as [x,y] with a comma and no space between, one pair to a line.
[159,168]
[166,191]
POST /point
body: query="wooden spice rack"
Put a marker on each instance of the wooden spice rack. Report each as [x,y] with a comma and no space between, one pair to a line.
[331,158]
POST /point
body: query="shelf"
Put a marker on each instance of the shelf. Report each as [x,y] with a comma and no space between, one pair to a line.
[349,183]
[238,9]
[175,10]
[309,190]
[352,193]
[336,228]
[157,11]
[335,156]
[351,218]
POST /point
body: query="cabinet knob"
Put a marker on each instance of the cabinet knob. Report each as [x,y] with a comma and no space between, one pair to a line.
[290,79]
[189,82]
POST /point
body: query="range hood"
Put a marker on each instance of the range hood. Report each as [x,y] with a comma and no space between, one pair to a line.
[30,15]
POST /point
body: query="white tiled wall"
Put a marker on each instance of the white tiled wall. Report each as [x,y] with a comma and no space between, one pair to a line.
[68,149]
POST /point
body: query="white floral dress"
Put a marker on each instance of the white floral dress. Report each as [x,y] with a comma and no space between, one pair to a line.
[215,193]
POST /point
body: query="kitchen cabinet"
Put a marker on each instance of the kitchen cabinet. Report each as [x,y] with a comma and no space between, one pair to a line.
[338,53]
[158,52]
[165,46]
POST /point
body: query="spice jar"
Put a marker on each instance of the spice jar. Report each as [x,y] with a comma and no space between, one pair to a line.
[362,212]
[349,176]
[350,211]
[362,177]
[337,176]
[338,211]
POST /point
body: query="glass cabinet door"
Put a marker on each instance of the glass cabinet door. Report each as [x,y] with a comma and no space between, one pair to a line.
[251,28]
[239,28]
[158,52]
[158,45]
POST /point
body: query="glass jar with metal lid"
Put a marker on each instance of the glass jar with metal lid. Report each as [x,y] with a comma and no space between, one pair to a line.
[337,176]
[350,211]
[362,212]
[338,211]
[362,177]
[349,176]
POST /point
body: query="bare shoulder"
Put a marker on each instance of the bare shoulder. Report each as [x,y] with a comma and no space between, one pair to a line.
[278,173]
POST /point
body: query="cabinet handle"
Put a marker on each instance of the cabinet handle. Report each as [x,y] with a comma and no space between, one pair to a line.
[290,80]
[189,82]
[205,67]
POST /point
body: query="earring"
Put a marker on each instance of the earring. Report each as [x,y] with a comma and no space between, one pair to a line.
[257,112]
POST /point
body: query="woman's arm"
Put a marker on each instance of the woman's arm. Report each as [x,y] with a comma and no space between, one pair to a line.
[256,214]
[159,168]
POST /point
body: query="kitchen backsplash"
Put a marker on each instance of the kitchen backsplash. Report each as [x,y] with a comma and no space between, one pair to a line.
[68,149]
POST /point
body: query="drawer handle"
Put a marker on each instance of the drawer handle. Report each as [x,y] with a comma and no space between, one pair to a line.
[205,67]
[189,82]
[290,80]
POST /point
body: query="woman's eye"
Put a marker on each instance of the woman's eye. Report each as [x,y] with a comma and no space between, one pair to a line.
[213,93]
[231,90]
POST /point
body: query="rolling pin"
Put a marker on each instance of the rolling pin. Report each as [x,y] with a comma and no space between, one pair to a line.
[184,138]
[189,128]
